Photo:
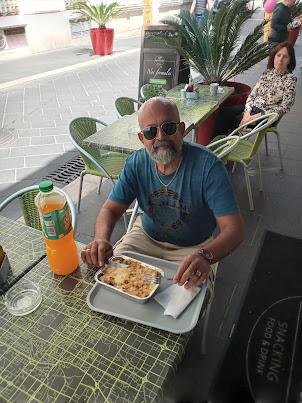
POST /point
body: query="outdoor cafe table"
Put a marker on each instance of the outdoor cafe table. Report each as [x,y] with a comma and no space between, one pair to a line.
[121,135]
[24,247]
[65,352]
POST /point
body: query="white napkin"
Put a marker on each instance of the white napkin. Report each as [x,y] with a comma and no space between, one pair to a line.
[175,299]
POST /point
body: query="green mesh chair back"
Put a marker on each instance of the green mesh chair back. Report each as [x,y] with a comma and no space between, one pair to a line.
[125,106]
[29,209]
[26,197]
[150,90]
[112,162]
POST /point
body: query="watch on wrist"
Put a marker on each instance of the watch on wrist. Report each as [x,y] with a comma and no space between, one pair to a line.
[208,255]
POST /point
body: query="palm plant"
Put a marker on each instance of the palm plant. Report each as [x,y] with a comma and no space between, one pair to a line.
[213,47]
[99,13]
[296,10]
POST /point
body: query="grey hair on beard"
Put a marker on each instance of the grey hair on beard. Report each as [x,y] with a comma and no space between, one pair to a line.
[163,156]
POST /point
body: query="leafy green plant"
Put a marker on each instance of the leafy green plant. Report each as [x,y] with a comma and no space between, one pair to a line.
[213,45]
[99,13]
[296,10]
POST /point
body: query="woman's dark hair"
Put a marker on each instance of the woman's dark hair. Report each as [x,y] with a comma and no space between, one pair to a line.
[290,51]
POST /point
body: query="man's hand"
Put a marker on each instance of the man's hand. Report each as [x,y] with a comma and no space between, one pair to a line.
[97,252]
[194,270]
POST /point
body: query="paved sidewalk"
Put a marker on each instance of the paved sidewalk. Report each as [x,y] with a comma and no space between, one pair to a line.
[47,62]
[34,115]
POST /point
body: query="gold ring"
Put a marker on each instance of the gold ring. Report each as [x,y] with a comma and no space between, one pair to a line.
[86,250]
[198,273]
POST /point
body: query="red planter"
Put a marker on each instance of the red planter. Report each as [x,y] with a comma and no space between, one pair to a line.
[205,130]
[102,40]
[293,35]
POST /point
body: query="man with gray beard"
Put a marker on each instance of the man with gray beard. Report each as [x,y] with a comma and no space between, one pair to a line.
[184,192]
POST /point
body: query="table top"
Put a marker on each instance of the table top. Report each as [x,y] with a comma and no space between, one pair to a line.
[121,135]
[24,247]
[64,351]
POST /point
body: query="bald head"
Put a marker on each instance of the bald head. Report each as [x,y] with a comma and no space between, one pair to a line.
[155,105]
[163,148]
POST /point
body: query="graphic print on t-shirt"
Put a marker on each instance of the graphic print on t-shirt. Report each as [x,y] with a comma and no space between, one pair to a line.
[166,208]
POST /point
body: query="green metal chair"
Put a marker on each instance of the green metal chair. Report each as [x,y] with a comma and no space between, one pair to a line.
[108,165]
[30,212]
[125,106]
[273,129]
[246,150]
[151,90]
[222,147]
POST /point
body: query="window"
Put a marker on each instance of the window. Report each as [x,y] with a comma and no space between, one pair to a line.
[69,3]
[79,28]
[8,7]
[15,37]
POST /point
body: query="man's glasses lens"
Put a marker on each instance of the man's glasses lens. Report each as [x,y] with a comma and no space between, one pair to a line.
[169,128]
[150,132]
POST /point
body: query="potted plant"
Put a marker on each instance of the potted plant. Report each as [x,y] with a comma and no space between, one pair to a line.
[213,49]
[101,37]
[296,12]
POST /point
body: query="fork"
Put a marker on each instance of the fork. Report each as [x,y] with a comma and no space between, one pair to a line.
[112,263]
[154,278]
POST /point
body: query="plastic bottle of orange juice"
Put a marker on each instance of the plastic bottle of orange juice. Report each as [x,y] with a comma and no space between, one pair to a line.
[57,229]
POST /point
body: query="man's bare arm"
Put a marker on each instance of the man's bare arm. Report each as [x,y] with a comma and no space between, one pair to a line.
[231,235]
[101,249]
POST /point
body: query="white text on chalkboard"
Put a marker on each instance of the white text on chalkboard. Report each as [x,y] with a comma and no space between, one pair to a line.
[272,350]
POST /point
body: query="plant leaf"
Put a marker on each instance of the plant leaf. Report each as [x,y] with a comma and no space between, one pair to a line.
[213,46]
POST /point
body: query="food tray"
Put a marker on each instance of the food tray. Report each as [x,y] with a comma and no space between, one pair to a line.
[140,300]
[100,299]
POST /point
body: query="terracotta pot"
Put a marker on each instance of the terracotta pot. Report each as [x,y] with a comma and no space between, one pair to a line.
[293,35]
[102,40]
[206,128]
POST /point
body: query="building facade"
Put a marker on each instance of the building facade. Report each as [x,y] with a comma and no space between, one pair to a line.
[33,26]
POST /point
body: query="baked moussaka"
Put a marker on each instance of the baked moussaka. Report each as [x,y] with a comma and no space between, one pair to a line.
[128,279]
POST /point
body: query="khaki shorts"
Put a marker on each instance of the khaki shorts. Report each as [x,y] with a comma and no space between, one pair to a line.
[138,241]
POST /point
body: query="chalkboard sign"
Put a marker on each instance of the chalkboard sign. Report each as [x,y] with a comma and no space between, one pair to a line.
[159,64]
[263,362]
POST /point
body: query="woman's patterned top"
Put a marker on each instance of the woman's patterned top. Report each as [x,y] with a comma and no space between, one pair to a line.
[274,92]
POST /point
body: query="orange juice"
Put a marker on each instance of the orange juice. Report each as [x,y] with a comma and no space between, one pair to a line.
[61,253]
[57,229]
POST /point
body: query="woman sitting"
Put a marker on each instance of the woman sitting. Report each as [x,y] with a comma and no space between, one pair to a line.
[274,92]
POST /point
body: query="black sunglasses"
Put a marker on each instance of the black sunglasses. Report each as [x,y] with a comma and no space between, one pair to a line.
[169,128]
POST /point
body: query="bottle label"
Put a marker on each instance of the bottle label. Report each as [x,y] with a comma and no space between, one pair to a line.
[57,223]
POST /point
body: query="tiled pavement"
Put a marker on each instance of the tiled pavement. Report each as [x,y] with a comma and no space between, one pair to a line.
[277,208]
[34,116]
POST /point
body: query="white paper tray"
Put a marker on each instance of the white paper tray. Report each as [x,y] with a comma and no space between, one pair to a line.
[105,301]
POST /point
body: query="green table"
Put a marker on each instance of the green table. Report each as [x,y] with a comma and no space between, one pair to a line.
[64,352]
[121,135]
[24,247]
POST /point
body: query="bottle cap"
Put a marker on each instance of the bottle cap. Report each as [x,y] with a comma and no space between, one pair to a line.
[46,186]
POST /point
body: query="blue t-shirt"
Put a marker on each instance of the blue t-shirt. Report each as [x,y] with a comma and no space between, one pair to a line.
[185,216]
